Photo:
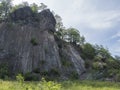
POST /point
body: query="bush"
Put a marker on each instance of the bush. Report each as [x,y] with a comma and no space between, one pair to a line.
[31,77]
[20,78]
[34,42]
[55,72]
[74,75]
[52,72]
[96,65]
[37,70]
[87,64]
[4,70]
[66,63]
[88,51]
[42,62]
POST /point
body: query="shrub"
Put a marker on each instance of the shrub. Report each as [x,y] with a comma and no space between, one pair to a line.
[20,78]
[66,63]
[31,77]
[42,62]
[49,85]
[55,72]
[52,72]
[4,70]
[34,41]
[74,75]
[87,64]
[37,70]
[96,65]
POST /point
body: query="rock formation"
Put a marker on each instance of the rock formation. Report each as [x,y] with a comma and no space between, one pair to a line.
[26,48]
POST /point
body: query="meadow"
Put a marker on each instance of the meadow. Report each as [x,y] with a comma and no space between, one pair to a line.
[64,85]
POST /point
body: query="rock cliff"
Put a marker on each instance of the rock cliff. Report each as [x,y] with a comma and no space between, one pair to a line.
[28,44]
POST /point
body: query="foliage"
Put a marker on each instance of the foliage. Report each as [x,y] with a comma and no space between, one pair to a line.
[34,41]
[59,23]
[66,63]
[34,7]
[54,72]
[4,70]
[42,6]
[74,75]
[31,76]
[20,78]
[82,40]
[100,50]
[5,7]
[73,35]
[88,51]
[65,85]
[97,65]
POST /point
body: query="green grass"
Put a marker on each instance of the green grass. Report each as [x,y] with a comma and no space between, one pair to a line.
[65,85]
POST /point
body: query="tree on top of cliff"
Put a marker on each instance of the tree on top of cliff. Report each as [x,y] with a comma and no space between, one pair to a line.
[5,7]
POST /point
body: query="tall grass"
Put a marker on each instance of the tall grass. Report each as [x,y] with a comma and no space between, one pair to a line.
[65,85]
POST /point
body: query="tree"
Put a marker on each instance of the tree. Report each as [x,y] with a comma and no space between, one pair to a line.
[61,31]
[34,7]
[42,6]
[82,40]
[88,51]
[117,57]
[5,7]
[100,50]
[73,35]
[59,23]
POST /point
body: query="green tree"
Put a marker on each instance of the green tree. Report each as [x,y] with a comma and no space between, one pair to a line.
[73,35]
[5,7]
[117,57]
[100,50]
[88,51]
[59,23]
[42,6]
[34,7]
[82,40]
[61,31]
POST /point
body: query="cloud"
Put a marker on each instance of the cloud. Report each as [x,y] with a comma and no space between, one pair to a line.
[97,20]
[117,35]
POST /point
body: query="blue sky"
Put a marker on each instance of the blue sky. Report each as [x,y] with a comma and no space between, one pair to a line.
[97,20]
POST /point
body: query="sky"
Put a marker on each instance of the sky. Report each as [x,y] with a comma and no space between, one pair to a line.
[97,20]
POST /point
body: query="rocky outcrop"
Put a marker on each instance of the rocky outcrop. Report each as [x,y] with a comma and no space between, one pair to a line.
[22,14]
[44,20]
[26,48]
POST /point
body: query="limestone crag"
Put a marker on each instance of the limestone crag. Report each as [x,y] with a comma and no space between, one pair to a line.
[26,48]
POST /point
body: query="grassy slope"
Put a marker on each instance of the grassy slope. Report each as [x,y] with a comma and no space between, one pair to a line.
[66,85]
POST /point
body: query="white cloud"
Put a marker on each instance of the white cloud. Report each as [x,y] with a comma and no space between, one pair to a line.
[118,41]
[99,20]
[116,35]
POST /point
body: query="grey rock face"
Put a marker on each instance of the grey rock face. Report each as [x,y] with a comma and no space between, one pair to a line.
[44,20]
[22,14]
[16,43]
[26,48]
[75,62]
[47,20]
